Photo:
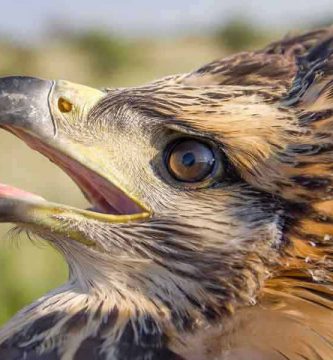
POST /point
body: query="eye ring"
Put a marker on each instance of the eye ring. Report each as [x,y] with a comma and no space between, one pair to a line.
[190,161]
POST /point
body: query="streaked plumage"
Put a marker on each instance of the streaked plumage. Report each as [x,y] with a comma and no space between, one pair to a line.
[237,269]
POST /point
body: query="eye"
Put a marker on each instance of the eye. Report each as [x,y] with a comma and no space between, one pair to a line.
[190,161]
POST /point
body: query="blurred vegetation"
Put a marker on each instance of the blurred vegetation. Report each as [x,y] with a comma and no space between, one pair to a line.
[239,34]
[107,53]
[323,22]
[95,58]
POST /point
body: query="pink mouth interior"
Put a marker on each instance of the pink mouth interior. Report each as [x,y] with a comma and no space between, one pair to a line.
[7,191]
[103,195]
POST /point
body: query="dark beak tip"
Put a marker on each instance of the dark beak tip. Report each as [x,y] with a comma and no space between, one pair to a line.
[24,104]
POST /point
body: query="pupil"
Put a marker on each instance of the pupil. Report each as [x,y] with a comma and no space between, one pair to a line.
[188,159]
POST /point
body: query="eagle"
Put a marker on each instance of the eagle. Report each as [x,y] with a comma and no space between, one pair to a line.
[210,230]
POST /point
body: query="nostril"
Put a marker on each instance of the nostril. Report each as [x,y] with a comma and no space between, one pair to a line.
[64,105]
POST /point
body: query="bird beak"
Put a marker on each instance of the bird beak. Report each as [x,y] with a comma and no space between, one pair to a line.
[24,104]
[34,110]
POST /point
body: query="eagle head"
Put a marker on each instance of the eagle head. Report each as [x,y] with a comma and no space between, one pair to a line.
[209,234]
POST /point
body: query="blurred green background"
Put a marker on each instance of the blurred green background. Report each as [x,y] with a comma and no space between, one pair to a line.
[132,46]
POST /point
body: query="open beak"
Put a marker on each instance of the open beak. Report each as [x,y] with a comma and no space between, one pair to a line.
[35,110]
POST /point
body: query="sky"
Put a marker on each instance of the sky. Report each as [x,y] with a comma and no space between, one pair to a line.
[32,19]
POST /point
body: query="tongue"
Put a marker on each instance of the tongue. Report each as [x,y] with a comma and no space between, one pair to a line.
[7,191]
